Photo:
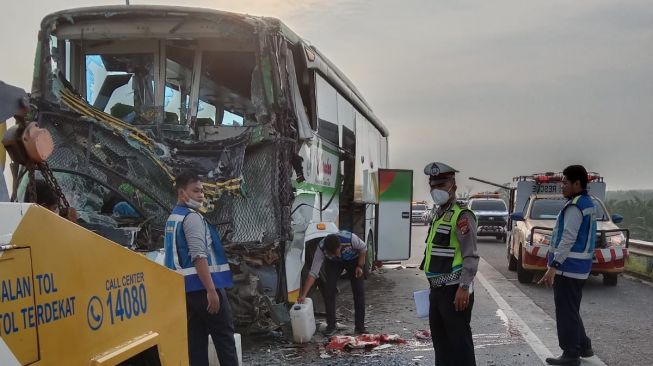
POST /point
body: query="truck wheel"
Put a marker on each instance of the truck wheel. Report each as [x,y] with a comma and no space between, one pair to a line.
[610,279]
[512,261]
[523,275]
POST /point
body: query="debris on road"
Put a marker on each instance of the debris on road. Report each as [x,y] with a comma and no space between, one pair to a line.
[340,343]
[382,347]
[423,335]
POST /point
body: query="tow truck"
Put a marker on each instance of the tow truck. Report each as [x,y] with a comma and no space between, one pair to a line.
[538,200]
[69,296]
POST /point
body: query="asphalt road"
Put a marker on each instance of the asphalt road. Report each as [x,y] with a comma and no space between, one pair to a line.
[618,319]
[512,323]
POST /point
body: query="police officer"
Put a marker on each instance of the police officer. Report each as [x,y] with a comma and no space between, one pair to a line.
[450,263]
[570,263]
[194,249]
[338,252]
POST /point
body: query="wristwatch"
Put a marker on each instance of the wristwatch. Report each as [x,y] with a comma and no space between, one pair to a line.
[464,286]
[555,264]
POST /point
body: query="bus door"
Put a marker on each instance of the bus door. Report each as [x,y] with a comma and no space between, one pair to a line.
[394,211]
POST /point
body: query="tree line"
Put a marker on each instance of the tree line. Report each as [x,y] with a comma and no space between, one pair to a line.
[637,209]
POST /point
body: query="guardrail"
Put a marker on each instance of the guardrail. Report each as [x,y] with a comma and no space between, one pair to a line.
[641,247]
[640,259]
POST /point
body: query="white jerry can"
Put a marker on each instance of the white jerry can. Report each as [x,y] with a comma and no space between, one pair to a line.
[213,356]
[303,321]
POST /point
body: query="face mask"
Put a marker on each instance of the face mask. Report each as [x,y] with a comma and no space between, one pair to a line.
[440,197]
[191,203]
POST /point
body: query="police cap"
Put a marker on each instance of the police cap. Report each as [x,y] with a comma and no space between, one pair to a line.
[439,172]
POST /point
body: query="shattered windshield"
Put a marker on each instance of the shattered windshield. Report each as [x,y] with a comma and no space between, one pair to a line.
[122,85]
[225,89]
[213,87]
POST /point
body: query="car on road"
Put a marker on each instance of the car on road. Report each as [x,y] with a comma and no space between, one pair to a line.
[419,211]
[529,240]
[491,214]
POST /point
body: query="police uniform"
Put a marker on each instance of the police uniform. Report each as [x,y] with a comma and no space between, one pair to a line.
[450,262]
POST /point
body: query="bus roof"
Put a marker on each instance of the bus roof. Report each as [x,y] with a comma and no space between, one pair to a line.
[320,63]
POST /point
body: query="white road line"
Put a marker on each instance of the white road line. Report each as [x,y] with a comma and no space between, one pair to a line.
[534,314]
[536,344]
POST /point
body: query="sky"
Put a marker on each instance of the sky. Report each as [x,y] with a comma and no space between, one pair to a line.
[495,89]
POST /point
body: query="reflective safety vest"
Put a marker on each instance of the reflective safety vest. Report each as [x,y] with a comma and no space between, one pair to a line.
[177,254]
[443,260]
[578,263]
[347,252]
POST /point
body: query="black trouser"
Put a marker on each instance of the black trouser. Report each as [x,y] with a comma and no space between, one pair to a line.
[567,294]
[450,330]
[220,326]
[329,285]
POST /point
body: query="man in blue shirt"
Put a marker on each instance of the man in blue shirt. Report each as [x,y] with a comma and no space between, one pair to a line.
[193,248]
[339,252]
[570,263]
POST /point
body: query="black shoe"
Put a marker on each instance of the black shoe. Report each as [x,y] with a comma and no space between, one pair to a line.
[329,331]
[586,353]
[360,330]
[563,360]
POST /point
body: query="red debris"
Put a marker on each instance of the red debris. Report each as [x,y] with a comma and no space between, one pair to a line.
[423,334]
[339,343]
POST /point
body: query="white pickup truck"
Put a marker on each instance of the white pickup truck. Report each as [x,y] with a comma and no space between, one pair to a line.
[538,202]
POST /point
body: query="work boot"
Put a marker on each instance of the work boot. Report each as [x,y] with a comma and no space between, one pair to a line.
[563,360]
[329,331]
[586,352]
[360,330]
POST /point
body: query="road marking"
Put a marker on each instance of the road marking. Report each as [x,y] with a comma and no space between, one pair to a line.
[533,313]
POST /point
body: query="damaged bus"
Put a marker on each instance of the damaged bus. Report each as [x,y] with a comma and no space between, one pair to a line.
[287,147]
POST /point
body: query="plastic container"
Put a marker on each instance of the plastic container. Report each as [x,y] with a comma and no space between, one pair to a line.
[302,320]
[422,303]
[213,356]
